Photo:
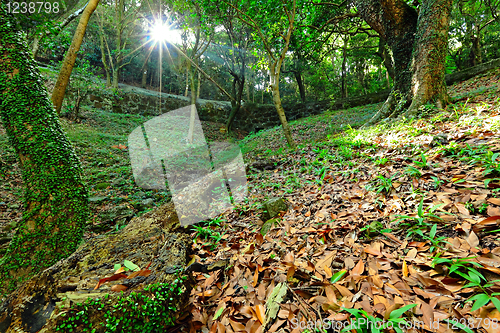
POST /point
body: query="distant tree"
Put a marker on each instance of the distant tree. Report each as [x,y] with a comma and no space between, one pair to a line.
[55,199]
[121,18]
[273,23]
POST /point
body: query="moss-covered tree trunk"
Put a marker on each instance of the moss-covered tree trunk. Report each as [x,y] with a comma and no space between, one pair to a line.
[70,58]
[429,56]
[55,206]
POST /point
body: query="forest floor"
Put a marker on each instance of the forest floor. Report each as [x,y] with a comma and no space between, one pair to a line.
[396,224]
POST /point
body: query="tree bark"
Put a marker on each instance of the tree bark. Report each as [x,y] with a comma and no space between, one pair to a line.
[275,88]
[429,57]
[300,83]
[419,49]
[70,58]
[343,88]
[56,206]
[238,86]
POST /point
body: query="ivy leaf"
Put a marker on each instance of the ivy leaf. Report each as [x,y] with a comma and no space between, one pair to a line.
[130,265]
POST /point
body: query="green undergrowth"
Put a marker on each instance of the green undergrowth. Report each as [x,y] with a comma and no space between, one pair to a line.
[152,310]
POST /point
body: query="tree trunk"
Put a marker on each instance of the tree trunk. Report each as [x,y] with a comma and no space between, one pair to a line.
[56,206]
[429,57]
[103,56]
[70,58]
[396,23]
[343,88]
[275,88]
[238,86]
[386,57]
[300,83]
[475,57]
[116,77]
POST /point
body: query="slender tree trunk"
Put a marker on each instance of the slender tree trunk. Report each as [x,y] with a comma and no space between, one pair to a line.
[119,57]
[238,86]
[300,83]
[55,200]
[103,56]
[343,88]
[275,88]
[429,56]
[187,81]
[70,58]
[193,110]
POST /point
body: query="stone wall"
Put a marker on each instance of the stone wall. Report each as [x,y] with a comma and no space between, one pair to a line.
[251,117]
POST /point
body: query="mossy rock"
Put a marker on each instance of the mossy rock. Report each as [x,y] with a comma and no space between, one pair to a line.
[102,186]
[47,301]
[273,207]
[268,225]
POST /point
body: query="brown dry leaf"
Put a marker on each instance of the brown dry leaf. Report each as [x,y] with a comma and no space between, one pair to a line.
[207,293]
[490,222]
[461,208]
[260,311]
[493,211]
[358,269]
[495,201]
[374,252]
[405,269]
[119,287]
[111,278]
[472,240]
[142,272]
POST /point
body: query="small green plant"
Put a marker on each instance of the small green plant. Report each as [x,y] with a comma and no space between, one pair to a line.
[474,277]
[418,222]
[381,161]
[423,163]
[437,182]
[381,184]
[413,172]
[364,323]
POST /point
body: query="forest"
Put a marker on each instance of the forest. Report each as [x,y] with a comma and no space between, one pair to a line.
[250,166]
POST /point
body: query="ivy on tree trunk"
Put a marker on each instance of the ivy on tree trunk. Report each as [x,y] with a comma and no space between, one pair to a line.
[55,198]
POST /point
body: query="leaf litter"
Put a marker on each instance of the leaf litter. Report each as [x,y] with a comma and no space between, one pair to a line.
[419,249]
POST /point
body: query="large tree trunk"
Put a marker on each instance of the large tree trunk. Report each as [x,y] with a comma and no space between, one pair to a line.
[429,57]
[419,47]
[396,22]
[56,206]
[70,58]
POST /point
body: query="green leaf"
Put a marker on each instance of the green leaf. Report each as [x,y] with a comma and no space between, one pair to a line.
[117,267]
[433,231]
[456,323]
[480,300]
[337,276]
[397,313]
[495,302]
[219,313]
[420,210]
[130,265]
